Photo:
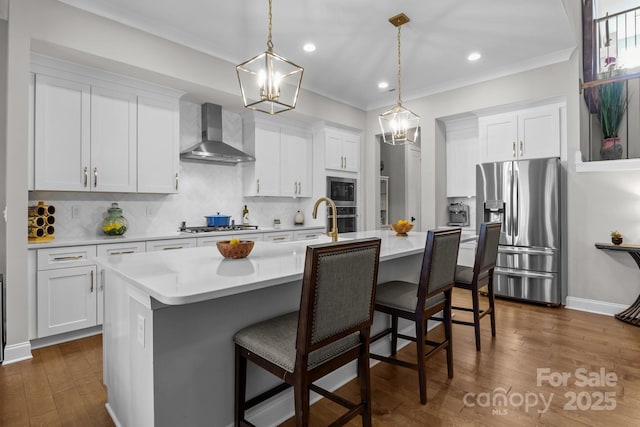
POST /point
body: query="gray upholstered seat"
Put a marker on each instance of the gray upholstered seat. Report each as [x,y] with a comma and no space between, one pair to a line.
[275,341]
[331,329]
[403,296]
[464,274]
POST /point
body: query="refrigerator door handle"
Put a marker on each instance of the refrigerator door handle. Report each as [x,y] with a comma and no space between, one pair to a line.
[523,273]
[516,201]
[525,251]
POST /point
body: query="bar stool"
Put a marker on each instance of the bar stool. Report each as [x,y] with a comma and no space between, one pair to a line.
[331,329]
[481,275]
[420,301]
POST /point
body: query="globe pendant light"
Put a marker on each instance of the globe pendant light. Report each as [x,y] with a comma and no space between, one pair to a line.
[268,82]
[399,125]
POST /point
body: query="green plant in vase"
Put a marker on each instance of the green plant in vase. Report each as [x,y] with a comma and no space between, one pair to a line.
[612,105]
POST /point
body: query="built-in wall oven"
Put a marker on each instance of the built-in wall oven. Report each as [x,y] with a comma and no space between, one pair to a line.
[343,191]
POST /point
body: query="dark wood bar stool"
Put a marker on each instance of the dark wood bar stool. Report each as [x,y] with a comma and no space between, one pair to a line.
[420,301]
[331,329]
[481,275]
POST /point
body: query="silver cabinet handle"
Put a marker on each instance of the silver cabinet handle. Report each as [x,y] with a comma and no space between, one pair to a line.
[67,258]
[257,186]
[295,188]
[86,173]
[91,281]
[177,179]
[95,177]
[102,279]
[169,248]
[345,162]
[513,148]
[521,148]
[279,238]
[121,252]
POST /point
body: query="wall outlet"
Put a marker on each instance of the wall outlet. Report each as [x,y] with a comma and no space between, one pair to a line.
[141,330]
[75,211]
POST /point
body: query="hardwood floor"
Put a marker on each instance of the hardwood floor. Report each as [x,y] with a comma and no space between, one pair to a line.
[62,384]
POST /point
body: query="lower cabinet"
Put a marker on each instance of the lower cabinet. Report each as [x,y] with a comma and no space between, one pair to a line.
[67,290]
[278,236]
[170,244]
[308,234]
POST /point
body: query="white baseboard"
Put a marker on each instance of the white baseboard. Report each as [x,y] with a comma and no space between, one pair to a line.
[112,415]
[67,336]
[594,306]
[17,352]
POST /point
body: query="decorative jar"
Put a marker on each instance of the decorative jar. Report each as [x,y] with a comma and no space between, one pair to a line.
[114,224]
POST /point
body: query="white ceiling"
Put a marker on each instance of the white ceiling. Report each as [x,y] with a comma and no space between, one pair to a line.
[357,46]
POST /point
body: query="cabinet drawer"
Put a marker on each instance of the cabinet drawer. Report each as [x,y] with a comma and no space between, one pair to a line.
[72,256]
[284,236]
[166,245]
[308,234]
[121,248]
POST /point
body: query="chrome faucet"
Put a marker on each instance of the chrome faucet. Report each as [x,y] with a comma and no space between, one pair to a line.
[334,221]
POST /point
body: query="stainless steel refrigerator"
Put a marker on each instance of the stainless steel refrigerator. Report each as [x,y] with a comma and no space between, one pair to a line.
[524,196]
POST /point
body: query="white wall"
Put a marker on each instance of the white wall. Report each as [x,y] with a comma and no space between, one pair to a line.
[596,202]
[55,29]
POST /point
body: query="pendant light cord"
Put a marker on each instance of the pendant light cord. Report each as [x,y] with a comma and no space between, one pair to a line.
[399,83]
[269,42]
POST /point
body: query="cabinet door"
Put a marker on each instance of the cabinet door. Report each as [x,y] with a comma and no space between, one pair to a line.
[296,170]
[351,152]
[462,156]
[278,236]
[267,164]
[539,132]
[113,140]
[66,300]
[158,146]
[62,134]
[498,135]
[333,157]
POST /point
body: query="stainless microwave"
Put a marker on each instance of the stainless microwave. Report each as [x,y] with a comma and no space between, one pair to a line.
[343,191]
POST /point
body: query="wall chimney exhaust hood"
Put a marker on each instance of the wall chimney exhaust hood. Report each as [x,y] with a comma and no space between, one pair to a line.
[211,149]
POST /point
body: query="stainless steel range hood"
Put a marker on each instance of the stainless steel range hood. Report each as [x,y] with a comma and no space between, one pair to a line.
[212,149]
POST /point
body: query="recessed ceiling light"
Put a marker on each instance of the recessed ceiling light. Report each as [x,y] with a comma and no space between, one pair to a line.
[474,56]
[309,47]
[383,85]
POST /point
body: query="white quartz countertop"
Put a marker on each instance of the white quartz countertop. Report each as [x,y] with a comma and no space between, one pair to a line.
[103,239]
[199,274]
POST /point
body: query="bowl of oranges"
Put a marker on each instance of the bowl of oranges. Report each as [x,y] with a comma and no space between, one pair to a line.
[235,248]
[402,227]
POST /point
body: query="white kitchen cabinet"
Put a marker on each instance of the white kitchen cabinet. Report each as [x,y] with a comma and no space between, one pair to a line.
[123,248]
[462,147]
[113,140]
[66,290]
[211,240]
[283,166]
[341,150]
[296,165]
[62,134]
[158,145]
[467,254]
[520,135]
[278,236]
[262,177]
[96,131]
[170,244]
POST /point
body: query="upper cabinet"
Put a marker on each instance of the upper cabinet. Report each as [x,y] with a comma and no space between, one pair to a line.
[158,145]
[91,134]
[461,157]
[520,135]
[283,166]
[341,150]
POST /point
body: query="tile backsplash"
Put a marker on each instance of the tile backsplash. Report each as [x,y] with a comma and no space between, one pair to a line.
[205,189]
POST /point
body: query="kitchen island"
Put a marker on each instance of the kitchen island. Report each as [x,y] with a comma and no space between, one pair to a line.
[170,318]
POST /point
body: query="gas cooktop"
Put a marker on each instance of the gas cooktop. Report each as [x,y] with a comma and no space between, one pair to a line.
[207,229]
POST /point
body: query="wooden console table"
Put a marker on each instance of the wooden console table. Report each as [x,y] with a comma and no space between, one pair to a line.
[632,314]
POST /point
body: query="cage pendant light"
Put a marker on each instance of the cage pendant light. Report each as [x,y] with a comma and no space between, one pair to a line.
[399,125]
[268,82]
